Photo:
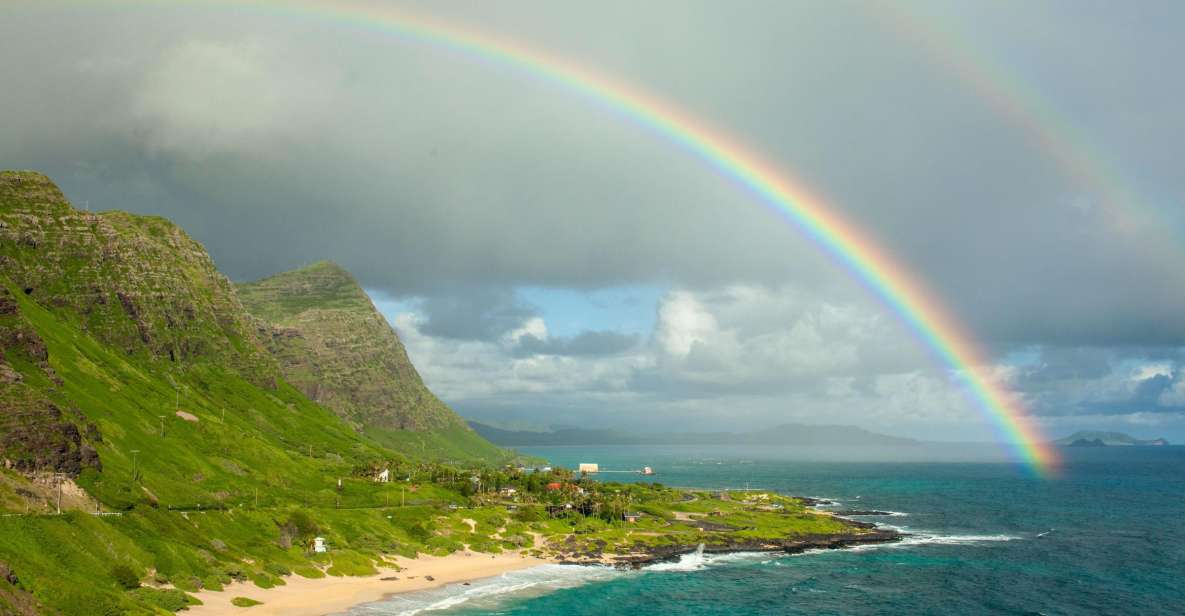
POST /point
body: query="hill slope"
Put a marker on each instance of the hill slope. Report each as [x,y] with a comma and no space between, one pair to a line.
[110,324]
[332,344]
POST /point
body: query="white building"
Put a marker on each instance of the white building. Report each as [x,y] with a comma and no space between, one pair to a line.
[588,467]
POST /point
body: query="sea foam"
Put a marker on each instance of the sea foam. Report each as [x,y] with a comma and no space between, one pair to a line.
[488,592]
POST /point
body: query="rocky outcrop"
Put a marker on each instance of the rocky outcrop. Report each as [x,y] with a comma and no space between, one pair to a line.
[332,344]
[724,544]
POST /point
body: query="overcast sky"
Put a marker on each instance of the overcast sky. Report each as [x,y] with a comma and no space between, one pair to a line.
[548,263]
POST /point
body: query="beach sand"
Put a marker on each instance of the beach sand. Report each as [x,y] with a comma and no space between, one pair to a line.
[331,595]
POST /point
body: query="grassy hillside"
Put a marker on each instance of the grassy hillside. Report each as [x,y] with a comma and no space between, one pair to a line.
[132,382]
[136,396]
[332,344]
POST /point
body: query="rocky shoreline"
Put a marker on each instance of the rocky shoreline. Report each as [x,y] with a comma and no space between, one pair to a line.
[862,533]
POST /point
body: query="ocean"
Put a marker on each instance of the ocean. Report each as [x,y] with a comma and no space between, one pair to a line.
[1106,537]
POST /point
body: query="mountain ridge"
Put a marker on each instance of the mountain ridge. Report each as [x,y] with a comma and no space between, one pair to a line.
[333,344]
[783,434]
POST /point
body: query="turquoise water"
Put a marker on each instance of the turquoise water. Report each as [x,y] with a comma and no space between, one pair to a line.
[1113,524]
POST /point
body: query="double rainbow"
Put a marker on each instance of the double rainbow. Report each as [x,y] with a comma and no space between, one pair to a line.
[901,291]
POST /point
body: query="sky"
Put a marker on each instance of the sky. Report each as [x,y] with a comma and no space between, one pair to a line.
[548,263]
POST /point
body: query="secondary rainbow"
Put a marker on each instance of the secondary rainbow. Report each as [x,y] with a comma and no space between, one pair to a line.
[901,291]
[947,44]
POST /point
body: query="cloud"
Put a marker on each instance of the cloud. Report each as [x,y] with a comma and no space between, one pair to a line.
[476,314]
[208,97]
[275,143]
[587,343]
[452,184]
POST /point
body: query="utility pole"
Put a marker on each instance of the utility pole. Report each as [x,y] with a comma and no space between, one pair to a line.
[162,425]
[58,476]
[135,471]
[224,414]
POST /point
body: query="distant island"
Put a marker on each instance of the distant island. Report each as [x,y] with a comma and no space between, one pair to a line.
[1087,438]
[784,434]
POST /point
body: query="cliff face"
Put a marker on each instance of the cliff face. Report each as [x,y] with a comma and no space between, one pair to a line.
[137,283]
[333,345]
[128,364]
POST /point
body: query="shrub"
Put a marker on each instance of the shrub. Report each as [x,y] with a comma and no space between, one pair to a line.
[245,602]
[125,577]
[166,599]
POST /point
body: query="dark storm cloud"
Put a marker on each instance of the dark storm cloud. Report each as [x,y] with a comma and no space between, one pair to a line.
[279,141]
[482,314]
[1144,398]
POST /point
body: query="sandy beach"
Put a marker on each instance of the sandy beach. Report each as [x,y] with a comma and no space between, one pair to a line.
[330,595]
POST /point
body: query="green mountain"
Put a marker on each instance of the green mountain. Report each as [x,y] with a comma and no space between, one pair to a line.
[785,434]
[132,381]
[333,345]
[1088,438]
[183,450]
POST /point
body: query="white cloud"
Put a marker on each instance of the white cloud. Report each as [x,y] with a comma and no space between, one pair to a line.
[1148,371]
[682,322]
[766,355]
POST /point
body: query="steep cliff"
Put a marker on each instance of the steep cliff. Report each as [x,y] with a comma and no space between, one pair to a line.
[137,283]
[128,364]
[333,345]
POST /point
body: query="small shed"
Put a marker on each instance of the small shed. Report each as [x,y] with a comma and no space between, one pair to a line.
[384,476]
[319,545]
[631,516]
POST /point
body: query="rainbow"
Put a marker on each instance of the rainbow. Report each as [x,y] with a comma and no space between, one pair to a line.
[947,45]
[883,276]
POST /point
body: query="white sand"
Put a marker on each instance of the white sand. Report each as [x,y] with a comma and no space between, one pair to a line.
[329,595]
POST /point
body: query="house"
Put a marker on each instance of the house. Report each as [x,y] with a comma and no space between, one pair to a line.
[319,545]
[589,468]
[553,486]
[507,492]
[631,516]
[384,476]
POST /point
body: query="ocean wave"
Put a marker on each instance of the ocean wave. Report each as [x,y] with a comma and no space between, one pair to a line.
[915,537]
[488,593]
[697,560]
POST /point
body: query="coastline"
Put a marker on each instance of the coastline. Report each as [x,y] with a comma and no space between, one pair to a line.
[301,596]
[333,595]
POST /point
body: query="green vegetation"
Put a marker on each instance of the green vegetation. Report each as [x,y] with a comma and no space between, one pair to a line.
[455,444]
[245,602]
[185,454]
[333,345]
